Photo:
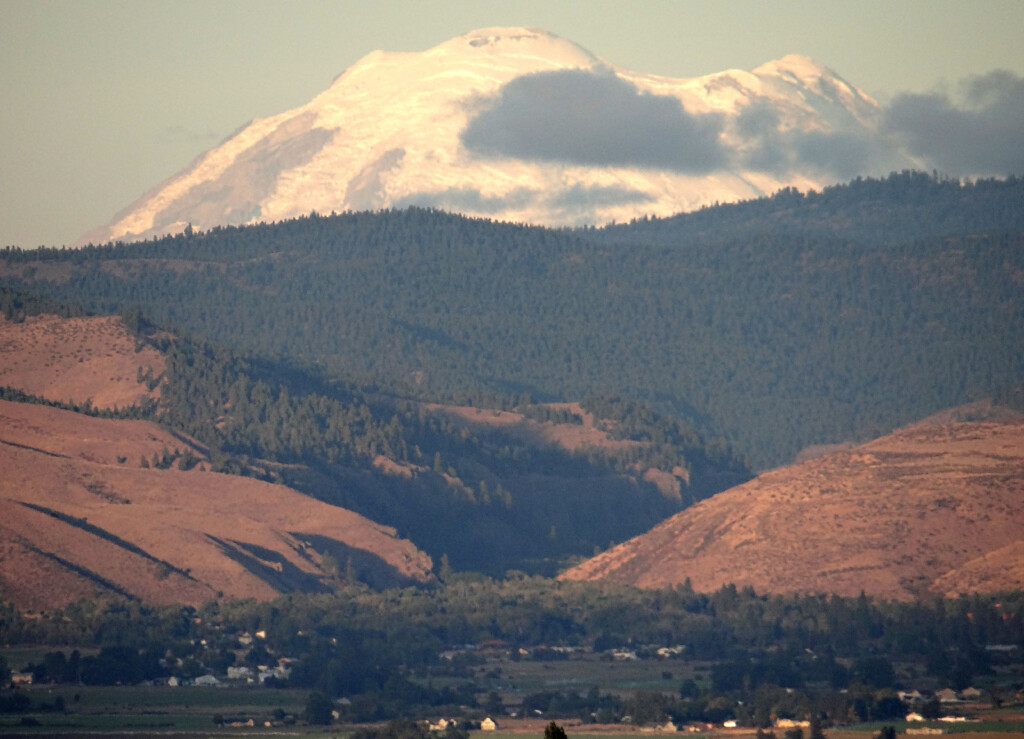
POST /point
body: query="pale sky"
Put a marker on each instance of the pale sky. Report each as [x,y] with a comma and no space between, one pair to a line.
[101,100]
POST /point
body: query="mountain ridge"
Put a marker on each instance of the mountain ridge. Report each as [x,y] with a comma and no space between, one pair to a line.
[783,322]
[446,128]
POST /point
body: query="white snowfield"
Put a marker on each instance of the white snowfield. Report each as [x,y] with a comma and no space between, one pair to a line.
[517,124]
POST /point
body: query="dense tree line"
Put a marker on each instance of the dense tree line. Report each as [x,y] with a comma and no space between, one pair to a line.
[144,409]
[17,305]
[905,206]
[796,319]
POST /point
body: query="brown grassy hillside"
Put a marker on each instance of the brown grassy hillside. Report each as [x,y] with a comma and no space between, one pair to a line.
[76,359]
[927,509]
[80,517]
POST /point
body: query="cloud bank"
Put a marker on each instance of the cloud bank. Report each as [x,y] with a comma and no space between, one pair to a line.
[594,118]
[981,132]
[578,203]
[843,153]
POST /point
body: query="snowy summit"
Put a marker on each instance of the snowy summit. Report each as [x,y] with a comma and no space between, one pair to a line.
[518,124]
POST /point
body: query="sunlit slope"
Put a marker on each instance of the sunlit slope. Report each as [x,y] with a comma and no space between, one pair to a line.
[94,506]
[930,509]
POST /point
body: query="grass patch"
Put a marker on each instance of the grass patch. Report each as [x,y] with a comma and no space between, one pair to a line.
[579,675]
[163,709]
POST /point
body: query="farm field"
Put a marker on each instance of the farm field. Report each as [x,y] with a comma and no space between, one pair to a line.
[142,710]
[580,674]
[160,711]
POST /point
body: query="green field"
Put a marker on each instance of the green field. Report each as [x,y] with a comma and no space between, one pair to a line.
[150,709]
[580,674]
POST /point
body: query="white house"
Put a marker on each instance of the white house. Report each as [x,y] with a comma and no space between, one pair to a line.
[280,673]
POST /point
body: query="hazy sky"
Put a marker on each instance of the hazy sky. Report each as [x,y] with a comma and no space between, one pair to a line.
[100,100]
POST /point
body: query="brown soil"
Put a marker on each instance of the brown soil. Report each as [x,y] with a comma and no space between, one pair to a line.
[79,517]
[929,509]
[77,359]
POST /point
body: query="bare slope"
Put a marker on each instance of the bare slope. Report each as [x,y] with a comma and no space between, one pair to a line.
[79,517]
[927,509]
[77,359]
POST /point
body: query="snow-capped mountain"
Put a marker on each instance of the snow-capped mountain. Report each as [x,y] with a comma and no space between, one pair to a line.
[518,124]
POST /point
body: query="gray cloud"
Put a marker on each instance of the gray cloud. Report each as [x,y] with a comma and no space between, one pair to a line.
[580,205]
[469,200]
[597,197]
[577,203]
[981,132]
[764,149]
[594,118]
[843,153]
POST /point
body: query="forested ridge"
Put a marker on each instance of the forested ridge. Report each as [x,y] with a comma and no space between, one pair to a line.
[787,321]
[905,206]
[484,498]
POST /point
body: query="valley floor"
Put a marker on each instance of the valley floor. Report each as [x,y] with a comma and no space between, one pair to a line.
[168,712]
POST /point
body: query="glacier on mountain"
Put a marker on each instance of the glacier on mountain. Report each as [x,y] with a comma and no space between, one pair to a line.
[518,124]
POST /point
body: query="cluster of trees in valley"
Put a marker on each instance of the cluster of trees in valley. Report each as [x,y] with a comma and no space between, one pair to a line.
[417,652]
